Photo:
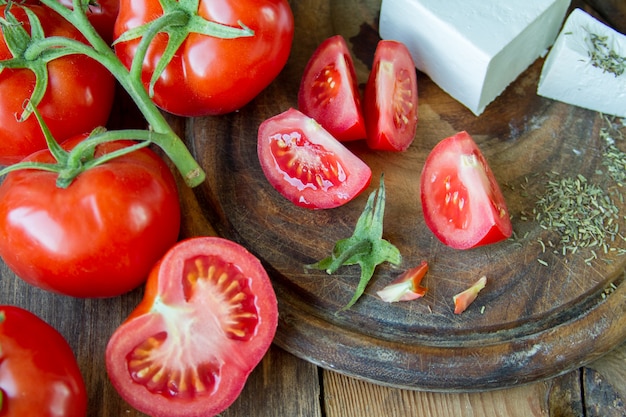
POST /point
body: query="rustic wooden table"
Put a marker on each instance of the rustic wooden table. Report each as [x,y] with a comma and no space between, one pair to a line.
[286,385]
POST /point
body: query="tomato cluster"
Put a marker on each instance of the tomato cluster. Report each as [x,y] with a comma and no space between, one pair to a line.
[90,212]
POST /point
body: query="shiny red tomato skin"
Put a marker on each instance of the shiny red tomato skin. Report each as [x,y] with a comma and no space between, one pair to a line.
[306,164]
[187,319]
[329,91]
[79,96]
[461,200]
[39,375]
[101,15]
[390,100]
[211,76]
[100,236]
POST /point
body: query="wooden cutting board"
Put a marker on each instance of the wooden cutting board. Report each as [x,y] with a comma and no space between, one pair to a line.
[532,321]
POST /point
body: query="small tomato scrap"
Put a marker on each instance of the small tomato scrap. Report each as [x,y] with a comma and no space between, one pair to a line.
[407,286]
[365,247]
[463,299]
[208,317]
[39,375]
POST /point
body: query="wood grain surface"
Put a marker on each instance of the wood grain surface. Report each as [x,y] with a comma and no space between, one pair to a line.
[537,323]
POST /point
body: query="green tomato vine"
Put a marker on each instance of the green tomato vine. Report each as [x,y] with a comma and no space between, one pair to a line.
[35,50]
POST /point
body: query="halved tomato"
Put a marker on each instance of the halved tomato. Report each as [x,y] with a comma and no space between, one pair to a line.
[390,100]
[329,91]
[208,317]
[462,202]
[306,164]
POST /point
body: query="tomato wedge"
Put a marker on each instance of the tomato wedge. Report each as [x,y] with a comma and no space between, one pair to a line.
[208,317]
[461,200]
[306,164]
[390,99]
[329,91]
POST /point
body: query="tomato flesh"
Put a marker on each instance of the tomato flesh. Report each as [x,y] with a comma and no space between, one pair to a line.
[390,99]
[208,316]
[461,200]
[39,375]
[329,92]
[306,164]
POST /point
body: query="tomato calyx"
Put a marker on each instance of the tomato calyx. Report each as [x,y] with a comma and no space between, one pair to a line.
[179,19]
[365,247]
[70,164]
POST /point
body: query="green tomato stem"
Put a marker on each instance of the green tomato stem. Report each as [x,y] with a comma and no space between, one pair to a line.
[100,51]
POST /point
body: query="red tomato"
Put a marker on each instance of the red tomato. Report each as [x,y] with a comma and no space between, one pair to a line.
[306,164]
[208,317]
[209,75]
[461,200]
[390,99]
[102,16]
[39,375]
[100,236]
[329,92]
[78,98]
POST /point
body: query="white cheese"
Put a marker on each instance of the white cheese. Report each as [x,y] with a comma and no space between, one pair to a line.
[569,74]
[473,49]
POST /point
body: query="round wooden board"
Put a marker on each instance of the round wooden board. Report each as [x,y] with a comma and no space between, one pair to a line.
[531,322]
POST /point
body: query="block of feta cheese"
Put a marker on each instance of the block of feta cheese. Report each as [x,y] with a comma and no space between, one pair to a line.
[473,49]
[586,66]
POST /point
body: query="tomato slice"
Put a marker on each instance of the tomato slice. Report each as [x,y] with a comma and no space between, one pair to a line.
[329,92]
[306,164]
[461,200]
[208,317]
[390,99]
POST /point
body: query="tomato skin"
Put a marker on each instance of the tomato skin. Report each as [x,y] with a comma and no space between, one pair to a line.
[79,96]
[390,99]
[39,375]
[188,324]
[211,76]
[329,91]
[101,15]
[306,164]
[100,236]
[461,200]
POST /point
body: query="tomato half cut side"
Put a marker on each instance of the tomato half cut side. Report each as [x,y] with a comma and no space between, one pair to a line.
[390,98]
[462,202]
[208,316]
[329,91]
[306,164]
